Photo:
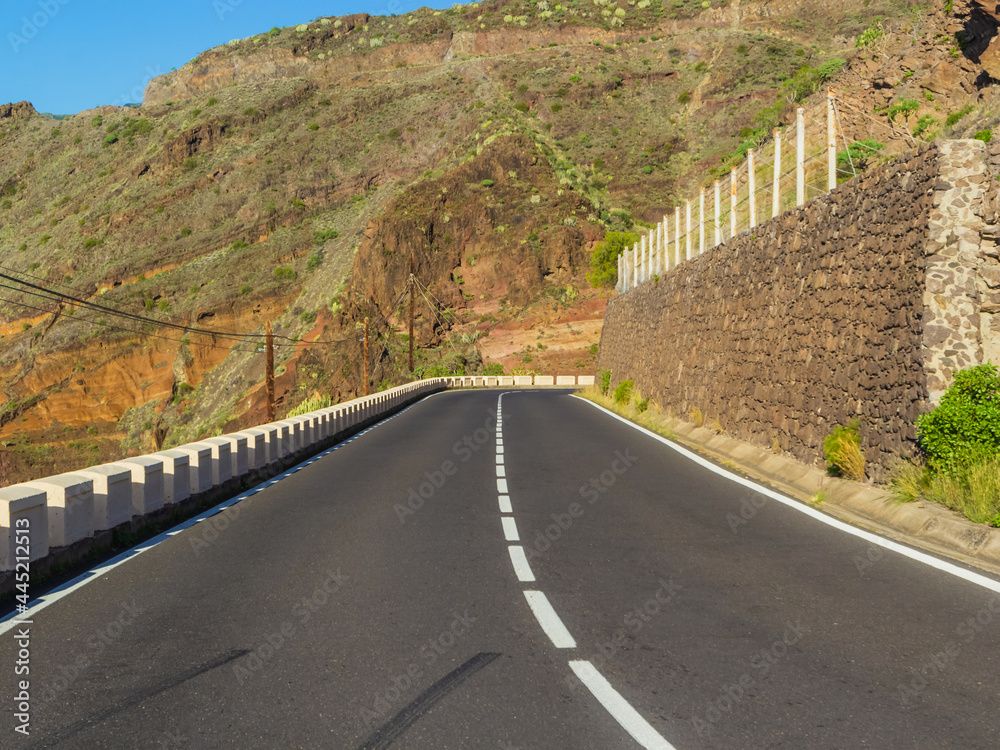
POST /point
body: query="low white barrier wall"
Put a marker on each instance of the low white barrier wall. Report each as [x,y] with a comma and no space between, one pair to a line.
[61,511]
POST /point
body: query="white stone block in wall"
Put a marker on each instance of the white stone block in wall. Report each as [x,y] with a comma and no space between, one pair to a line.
[565,380]
[491,382]
[70,504]
[222,460]
[28,504]
[147,484]
[112,486]
[176,475]
[522,380]
[586,380]
[239,464]
[477,381]
[256,447]
[544,380]
[506,380]
[200,462]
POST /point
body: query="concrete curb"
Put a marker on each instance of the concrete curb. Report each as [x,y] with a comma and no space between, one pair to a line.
[924,525]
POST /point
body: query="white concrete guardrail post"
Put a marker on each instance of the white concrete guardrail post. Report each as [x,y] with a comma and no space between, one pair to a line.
[200,465]
[69,500]
[112,487]
[147,484]
[222,460]
[176,475]
[776,187]
[22,508]
[800,157]
[732,202]
[752,187]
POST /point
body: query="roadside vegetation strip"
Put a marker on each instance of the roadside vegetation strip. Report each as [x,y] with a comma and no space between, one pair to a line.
[927,559]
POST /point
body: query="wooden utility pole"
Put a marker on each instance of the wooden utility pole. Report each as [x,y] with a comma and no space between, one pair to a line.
[410,283]
[269,370]
[366,355]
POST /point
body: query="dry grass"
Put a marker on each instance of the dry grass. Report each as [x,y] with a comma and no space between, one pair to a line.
[696,416]
[974,491]
[848,456]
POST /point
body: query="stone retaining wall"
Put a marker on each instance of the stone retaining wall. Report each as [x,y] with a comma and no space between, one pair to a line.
[859,304]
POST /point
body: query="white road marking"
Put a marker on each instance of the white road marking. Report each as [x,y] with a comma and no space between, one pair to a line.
[499,459]
[505,504]
[619,708]
[549,620]
[521,568]
[510,529]
[947,567]
[502,486]
[499,450]
[501,470]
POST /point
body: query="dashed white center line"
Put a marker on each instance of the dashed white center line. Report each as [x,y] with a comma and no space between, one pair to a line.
[499,459]
[618,707]
[521,568]
[505,504]
[549,620]
[502,486]
[501,470]
[510,529]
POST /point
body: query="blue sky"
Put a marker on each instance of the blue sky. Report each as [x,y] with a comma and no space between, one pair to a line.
[65,56]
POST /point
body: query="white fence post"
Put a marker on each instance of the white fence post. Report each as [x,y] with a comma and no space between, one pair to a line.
[732,202]
[752,187]
[701,222]
[831,143]
[677,231]
[800,157]
[687,235]
[775,199]
[718,229]
[666,243]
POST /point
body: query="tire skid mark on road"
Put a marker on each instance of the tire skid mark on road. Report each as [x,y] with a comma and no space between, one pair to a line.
[552,625]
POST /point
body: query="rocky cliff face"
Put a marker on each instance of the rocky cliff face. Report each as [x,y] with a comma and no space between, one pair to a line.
[290,176]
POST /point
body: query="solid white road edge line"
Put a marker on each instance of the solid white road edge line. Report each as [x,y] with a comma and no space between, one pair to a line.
[521,568]
[619,708]
[942,565]
[549,620]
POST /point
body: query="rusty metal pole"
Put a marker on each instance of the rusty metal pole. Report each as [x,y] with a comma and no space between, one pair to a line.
[269,371]
[411,285]
[366,355]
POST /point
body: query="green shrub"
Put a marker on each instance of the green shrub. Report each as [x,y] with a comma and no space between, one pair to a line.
[605,381]
[965,426]
[313,403]
[859,154]
[842,450]
[111,139]
[493,369]
[904,107]
[984,135]
[211,102]
[870,35]
[394,133]
[952,119]
[556,107]
[186,232]
[604,261]
[308,317]
[286,273]
[244,290]
[322,235]
[623,393]
[250,112]
[6,205]
[487,183]
[521,106]
[684,97]
[642,405]
[275,31]
[314,262]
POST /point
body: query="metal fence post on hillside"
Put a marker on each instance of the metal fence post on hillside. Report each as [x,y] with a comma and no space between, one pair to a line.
[269,370]
[732,202]
[677,234]
[701,222]
[687,232]
[752,187]
[776,189]
[718,215]
[800,157]
[831,143]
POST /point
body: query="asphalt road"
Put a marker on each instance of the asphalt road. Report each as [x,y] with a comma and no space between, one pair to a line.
[371,600]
